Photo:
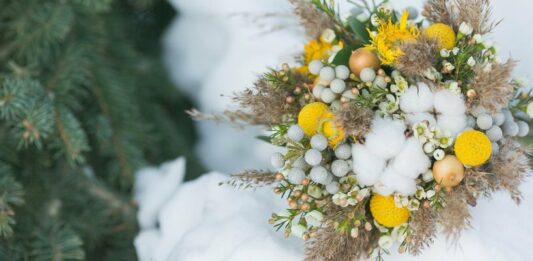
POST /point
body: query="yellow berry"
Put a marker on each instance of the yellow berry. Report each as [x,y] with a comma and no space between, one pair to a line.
[443,33]
[310,116]
[330,128]
[386,213]
[472,148]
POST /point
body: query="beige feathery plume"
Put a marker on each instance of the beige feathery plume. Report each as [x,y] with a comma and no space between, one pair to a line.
[418,56]
[492,85]
[355,120]
[314,21]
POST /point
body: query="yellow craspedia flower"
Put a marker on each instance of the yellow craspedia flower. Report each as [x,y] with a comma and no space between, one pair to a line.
[472,148]
[443,33]
[330,128]
[389,37]
[310,117]
[386,213]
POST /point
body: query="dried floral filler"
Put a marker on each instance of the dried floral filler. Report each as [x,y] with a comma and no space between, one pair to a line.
[392,127]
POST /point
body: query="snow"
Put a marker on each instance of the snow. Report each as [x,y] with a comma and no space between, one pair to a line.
[217,47]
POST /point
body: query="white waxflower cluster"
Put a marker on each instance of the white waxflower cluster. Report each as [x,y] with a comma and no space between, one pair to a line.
[433,139]
[388,160]
[444,109]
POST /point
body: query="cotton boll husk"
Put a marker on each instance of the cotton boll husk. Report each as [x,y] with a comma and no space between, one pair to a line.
[412,161]
[366,166]
[414,118]
[386,137]
[401,184]
[453,124]
[449,103]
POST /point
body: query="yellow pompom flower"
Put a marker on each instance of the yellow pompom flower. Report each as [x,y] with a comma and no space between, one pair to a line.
[443,33]
[310,117]
[473,148]
[386,213]
[330,128]
[389,37]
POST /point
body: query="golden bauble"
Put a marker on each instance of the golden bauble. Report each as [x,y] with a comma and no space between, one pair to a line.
[448,172]
[363,58]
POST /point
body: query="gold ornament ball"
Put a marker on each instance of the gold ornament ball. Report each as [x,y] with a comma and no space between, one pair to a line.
[363,58]
[448,172]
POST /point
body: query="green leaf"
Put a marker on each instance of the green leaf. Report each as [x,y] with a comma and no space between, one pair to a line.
[343,56]
[264,138]
[359,28]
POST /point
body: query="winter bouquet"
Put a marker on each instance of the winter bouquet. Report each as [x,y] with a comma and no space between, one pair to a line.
[391,126]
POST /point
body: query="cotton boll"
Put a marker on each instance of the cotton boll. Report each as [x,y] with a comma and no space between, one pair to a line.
[523,129]
[313,157]
[412,160]
[409,100]
[327,95]
[383,190]
[495,133]
[401,184]
[386,137]
[484,121]
[499,118]
[414,118]
[449,103]
[296,176]
[453,124]
[318,174]
[332,187]
[425,97]
[342,72]
[315,67]
[337,86]
[343,151]
[340,168]
[510,128]
[366,166]
[317,90]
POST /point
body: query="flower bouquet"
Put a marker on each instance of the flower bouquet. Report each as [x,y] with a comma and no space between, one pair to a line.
[391,126]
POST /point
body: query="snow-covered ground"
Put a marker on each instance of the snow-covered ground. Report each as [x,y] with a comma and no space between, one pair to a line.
[218,47]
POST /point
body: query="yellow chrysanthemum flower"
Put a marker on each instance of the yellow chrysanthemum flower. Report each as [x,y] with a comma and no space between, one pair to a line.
[386,213]
[310,116]
[390,36]
[472,148]
[330,128]
[443,33]
[318,50]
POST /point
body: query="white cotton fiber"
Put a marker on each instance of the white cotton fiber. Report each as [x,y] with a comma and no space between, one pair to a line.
[425,97]
[412,161]
[383,190]
[409,100]
[450,103]
[386,137]
[417,99]
[366,165]
[414,118]
[453,124]
[401,184]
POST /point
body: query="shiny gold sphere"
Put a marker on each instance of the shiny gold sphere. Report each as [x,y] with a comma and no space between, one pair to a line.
[362,58]
[448,172]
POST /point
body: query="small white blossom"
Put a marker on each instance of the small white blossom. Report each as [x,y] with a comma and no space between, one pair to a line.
[448,67]
[465,29]
[427,176]
[478,38]
[420,193]
[530,110]
[328,36]
[430,194]
[471,61]
[374,20]
[439,154]
[385,242]
[445,53]
[362,17]
[314,218]
[453,86]
[455,50]
[401,84]
[429,147]
[413,205]
[298,230]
